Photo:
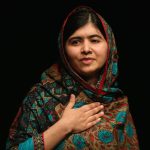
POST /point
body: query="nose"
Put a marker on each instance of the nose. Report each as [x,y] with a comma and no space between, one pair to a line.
[86,48]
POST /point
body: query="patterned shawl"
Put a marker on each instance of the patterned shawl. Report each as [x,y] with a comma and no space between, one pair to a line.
[46,101]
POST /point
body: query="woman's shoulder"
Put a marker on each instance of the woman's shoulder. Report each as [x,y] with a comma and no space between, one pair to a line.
[51,74]
[33,95]
[41,92]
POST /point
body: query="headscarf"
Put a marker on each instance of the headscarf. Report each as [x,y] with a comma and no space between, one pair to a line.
[108,87]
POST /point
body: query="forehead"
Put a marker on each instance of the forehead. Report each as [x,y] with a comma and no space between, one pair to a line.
[86,30]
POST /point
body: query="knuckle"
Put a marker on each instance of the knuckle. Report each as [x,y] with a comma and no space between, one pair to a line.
[96,117]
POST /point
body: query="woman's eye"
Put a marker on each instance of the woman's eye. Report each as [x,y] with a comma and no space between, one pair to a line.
[95,41]
[76,42]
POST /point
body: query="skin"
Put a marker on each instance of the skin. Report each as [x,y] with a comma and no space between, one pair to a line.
[86,50]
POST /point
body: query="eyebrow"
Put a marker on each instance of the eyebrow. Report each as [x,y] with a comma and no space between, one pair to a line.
[81,37]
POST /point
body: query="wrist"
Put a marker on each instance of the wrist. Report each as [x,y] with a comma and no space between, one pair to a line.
[64,126]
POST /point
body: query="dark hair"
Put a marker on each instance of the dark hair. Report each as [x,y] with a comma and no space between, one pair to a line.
[78,18]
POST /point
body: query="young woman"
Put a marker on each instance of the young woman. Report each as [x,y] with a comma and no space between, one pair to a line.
[77,104]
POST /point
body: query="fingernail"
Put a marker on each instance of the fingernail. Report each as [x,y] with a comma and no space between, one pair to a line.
[102,106]
[102,112]
[72,95]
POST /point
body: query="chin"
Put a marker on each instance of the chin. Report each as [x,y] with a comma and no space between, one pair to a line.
[87,72]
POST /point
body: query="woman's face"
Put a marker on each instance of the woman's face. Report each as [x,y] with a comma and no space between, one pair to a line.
[86,50]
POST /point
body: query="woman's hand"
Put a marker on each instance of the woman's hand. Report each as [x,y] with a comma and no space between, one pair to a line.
[80,119]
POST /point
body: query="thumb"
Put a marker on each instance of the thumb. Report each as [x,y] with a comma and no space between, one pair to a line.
[71,101]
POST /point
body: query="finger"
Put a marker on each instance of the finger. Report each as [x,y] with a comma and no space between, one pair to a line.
[95,117]
[90,106]
[90,124]
[94,110]
[71,101]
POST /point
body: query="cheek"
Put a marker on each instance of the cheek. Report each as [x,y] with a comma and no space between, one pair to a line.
[105,53]
[72,59]
[102,52]
[71,54]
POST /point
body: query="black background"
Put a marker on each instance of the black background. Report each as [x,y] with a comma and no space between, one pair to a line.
[29,46]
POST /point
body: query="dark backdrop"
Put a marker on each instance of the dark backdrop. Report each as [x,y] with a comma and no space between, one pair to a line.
[29,46]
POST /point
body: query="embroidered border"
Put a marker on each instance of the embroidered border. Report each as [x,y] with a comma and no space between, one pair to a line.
[38,142]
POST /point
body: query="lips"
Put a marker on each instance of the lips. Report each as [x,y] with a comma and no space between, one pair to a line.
[87,60]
